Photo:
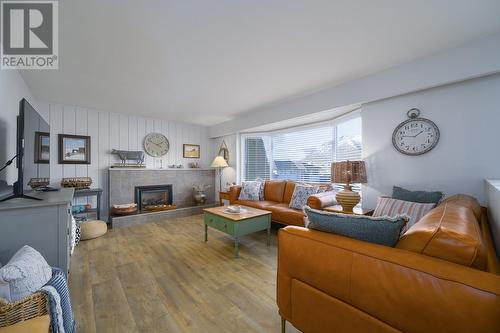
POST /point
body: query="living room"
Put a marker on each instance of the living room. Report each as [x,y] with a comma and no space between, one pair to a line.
[305,166]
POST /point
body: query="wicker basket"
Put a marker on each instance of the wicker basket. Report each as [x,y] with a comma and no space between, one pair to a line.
[28,308]
[77,182]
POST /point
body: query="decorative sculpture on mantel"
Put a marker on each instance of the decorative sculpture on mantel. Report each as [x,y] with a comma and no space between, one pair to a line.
[136,156]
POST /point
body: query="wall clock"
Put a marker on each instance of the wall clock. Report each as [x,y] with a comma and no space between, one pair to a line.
[415,136]
[156,144]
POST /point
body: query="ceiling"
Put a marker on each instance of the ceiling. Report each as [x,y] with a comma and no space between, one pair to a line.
[206,62]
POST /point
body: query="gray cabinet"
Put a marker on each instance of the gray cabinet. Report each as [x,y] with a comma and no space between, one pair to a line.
[44,225]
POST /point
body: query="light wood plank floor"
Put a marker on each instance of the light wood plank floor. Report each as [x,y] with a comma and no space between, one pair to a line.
[163,278]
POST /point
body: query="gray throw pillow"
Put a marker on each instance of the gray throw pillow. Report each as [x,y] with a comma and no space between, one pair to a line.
[25,273]
[378,230]
[416,196]
[300,195]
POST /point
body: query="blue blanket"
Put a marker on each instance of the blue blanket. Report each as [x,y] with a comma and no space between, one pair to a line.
[61,314]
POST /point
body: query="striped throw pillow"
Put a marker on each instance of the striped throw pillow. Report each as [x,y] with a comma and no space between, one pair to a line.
[393,207]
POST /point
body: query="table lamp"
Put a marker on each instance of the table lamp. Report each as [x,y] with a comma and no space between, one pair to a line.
[348,172]
[219,163]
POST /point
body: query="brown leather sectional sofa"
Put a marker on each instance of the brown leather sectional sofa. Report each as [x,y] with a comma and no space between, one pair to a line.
[277,196]
[442,276]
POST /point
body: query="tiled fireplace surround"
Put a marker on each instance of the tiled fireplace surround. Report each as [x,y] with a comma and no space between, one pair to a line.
[122,183]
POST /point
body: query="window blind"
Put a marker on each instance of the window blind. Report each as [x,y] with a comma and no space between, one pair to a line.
[301,154]
[256,158]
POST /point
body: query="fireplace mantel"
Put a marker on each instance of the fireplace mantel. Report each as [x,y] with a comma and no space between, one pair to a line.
[122,183]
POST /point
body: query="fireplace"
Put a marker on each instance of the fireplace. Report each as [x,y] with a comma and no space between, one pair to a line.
[153,195]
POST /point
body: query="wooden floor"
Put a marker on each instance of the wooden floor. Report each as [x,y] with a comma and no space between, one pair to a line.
[163,278]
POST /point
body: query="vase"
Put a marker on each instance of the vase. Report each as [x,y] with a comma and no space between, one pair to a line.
[200,197]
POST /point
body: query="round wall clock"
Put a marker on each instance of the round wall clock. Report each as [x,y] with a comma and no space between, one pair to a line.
[415,136]
[156,144]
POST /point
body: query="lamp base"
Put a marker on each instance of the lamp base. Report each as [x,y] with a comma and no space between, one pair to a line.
[347,199]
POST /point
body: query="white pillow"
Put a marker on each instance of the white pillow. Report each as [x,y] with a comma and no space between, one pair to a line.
[251,190]
[300,195]
[25,273]
[393,207]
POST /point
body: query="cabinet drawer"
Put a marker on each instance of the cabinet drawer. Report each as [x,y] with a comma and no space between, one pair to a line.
[219,223]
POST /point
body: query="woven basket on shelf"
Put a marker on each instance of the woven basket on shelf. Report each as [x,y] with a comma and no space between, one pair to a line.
[28,308]
[77,182]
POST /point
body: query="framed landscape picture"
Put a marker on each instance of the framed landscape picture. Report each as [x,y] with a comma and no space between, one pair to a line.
[191,151]
[74,149]
[42,147]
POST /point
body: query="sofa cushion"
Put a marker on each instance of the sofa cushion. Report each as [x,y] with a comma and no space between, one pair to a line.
[281,213]
[26,272]
[274,189]
[250,190]
[256,204]
[450,232]
[378,230]
[467,201]
[394,207]
[416,196]
[289,188]
[300,195]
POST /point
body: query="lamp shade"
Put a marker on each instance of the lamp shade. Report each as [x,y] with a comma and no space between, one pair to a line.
[347,172]
[219,162]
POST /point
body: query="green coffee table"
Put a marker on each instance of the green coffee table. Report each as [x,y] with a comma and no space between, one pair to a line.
[237,225]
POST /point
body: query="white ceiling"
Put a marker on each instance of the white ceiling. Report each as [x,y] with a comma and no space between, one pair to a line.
[205,62]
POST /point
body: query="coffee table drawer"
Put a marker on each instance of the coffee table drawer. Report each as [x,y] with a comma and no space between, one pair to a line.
[219,223]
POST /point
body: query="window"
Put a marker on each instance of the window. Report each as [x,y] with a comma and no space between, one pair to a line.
[301,154]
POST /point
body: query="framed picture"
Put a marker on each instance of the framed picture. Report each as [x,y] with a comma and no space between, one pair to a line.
[42,147]
[74,149]
[191,151]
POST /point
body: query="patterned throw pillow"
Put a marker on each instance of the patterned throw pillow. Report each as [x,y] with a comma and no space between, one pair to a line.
[250,190]
[26,272]
[393,207]
[300,195]
[378,230]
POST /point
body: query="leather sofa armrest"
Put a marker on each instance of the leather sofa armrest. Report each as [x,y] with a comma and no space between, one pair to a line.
[387,283]
[322,200]
[234,193]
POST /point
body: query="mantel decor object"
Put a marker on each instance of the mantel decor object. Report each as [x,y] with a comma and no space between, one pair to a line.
[137,158]
[347,173]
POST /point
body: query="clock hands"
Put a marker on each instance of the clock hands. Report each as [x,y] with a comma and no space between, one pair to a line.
[412,136]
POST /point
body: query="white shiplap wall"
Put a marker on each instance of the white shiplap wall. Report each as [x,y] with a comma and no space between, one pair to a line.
[116,131]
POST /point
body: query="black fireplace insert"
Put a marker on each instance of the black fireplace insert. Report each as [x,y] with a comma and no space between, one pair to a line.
[153,195]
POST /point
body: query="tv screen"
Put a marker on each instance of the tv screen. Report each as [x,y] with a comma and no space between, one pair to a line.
[36,134]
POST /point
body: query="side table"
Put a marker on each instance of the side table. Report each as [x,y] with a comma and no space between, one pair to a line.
[89,192]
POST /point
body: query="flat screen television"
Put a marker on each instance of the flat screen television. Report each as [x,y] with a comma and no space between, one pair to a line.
[33,149]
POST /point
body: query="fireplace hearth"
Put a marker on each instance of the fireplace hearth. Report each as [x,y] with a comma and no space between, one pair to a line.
[153,195]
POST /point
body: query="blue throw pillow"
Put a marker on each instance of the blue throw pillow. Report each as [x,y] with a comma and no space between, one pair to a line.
[416,196]
[378,230]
